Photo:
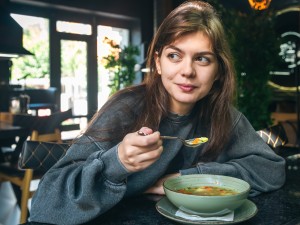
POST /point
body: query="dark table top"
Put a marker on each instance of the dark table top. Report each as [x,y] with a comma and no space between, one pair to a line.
[9,131]
[8,134]
[281,207]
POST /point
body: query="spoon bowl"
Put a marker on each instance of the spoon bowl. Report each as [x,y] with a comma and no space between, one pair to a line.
[193,143]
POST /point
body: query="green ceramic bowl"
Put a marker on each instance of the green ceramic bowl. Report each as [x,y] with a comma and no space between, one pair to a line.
[206,205]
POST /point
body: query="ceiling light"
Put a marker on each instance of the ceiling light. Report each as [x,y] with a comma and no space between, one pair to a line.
[259,4]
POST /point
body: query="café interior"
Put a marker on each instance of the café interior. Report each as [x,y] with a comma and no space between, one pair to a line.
[55,75]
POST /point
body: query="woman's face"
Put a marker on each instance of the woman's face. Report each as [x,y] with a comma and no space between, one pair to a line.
[188,69]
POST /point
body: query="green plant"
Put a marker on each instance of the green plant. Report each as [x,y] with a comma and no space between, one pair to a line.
[120,63]
[255,48]
[37,65]
[253,62]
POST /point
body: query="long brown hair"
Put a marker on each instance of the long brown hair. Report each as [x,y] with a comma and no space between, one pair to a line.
[214,109]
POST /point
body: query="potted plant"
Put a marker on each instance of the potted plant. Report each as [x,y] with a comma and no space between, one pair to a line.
[120,63]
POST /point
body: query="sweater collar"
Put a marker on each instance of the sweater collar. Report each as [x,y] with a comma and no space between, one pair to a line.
[179,118]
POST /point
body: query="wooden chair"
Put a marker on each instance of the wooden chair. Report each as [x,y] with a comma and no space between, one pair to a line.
[51,137]
[289,123]
[6,117]
[45,130]
[22,179]
[275,136]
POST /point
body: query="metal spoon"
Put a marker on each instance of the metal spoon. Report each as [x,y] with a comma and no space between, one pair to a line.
[194,142]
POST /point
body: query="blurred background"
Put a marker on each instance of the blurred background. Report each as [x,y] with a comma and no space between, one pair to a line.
[63,45]
[71,55]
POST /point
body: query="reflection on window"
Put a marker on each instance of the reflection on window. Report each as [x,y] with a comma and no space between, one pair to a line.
[32,71]
[73,28]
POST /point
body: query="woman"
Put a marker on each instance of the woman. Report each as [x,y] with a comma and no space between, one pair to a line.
[187,93]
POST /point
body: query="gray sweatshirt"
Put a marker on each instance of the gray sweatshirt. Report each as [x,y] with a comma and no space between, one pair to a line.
[90,179]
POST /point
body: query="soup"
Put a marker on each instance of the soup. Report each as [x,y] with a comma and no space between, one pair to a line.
[207,191]
[199,140]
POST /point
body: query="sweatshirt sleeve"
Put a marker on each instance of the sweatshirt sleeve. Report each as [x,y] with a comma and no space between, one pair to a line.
[247,157]
[87,181]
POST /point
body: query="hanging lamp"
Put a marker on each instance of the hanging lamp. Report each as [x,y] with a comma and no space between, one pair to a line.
[259,4]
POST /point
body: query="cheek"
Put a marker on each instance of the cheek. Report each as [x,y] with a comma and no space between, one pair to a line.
[168,71]
[211,80]
[211,76]
[168,75]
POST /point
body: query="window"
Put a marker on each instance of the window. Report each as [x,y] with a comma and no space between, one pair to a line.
[32,71]
[119,36]
[74,76]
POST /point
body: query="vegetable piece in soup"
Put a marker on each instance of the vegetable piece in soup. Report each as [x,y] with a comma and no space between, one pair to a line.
[207,191]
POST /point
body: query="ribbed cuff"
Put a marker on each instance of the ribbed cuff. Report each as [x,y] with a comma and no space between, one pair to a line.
[193,170]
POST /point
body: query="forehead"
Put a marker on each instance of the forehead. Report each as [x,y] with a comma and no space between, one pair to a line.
[197,39]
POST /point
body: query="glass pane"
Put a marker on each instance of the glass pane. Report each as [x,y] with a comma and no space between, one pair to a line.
[119,36]
[74,76]
[33,71]
[73,28]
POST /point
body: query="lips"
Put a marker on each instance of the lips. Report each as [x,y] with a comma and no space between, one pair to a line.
[186,87]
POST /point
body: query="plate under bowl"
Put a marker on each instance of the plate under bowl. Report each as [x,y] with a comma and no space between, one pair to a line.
[241,214]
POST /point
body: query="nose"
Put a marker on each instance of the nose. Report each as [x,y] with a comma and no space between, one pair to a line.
[188,69]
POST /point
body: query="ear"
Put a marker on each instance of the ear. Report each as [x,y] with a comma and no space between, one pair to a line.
[216,78]
[157,63]
[217,75]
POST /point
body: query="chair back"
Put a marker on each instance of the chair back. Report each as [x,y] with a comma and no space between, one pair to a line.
[49,137]
[41,156]
[274,136]
[29,174]
[43,129]
[42,124]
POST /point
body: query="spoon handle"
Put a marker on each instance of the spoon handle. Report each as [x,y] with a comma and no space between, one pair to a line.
[163,137]
[169,137]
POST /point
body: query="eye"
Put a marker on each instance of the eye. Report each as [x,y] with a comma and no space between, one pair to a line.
[174,57]
[203,60]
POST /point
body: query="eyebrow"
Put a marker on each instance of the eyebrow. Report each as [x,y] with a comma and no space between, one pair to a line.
[198,53]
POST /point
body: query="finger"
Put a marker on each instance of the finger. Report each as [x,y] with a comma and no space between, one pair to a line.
[145,131]
[152,155]
[141,161]
[148,141]
[146,156]
[146,152]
